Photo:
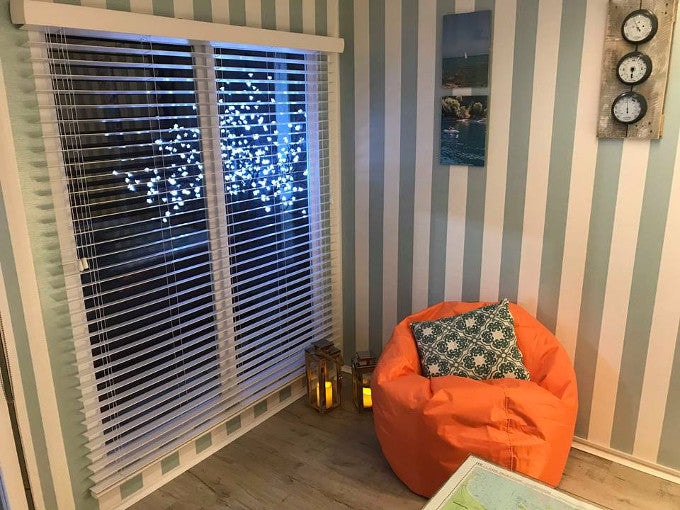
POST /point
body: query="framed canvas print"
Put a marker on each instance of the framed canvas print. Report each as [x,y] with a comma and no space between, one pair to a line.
[463,130]
[466,41]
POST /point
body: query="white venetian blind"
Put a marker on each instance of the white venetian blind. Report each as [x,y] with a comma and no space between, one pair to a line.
[195,236]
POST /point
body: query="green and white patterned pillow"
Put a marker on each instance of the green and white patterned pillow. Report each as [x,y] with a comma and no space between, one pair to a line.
[479,344]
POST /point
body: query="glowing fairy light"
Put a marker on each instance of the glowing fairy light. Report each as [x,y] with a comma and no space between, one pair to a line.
[261,159]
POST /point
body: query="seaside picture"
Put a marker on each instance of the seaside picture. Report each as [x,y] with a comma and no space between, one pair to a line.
[463,130]
[466,40]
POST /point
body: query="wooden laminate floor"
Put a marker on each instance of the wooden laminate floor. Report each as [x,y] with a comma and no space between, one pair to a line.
[301,460]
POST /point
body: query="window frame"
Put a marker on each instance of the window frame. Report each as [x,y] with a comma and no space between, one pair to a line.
[215,203]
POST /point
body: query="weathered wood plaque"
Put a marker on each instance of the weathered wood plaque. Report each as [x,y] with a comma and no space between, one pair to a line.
[654,88]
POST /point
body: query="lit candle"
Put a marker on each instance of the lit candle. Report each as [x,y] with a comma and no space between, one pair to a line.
[368,400]
[329,394]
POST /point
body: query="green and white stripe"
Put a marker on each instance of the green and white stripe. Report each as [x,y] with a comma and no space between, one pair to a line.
[392,143]
[539,146]
[584,160]
[362,144]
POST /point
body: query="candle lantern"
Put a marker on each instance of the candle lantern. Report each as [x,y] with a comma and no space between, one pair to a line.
[363,364]
[324,379]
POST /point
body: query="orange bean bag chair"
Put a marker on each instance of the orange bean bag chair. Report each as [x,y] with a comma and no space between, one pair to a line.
[427,427]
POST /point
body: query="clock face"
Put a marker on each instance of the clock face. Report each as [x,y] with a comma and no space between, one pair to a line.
[634,68]
[639,26]
[629,107]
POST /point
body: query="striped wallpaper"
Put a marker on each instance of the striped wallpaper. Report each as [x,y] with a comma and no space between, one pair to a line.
[584,233]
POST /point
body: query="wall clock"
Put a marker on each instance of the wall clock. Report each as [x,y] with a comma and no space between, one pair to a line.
[634,67]
[629,107]
[639,26]
[635,62]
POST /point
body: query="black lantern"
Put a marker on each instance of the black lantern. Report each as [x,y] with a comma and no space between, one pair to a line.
[363,364]
[324,379]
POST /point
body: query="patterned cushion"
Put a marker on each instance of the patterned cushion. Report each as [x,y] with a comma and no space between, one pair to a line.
[480,344]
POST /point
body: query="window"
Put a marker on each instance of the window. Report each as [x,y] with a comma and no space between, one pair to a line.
[195,181]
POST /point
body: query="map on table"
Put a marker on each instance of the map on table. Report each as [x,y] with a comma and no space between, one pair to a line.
[480,485]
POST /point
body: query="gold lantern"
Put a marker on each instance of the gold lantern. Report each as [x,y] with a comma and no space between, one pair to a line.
[363,364]
[324,379]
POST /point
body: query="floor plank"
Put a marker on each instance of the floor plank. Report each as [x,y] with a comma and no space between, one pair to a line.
[300,459]
[615,486]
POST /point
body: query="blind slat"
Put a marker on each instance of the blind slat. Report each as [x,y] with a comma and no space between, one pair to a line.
[225,366]
[314,326]
[134,346]
[132,428]
[184,422]
[284,267]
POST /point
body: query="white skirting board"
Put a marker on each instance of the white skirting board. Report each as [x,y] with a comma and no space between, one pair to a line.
[672,475]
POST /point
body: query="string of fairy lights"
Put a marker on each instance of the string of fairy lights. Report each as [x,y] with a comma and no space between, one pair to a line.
[260,158]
